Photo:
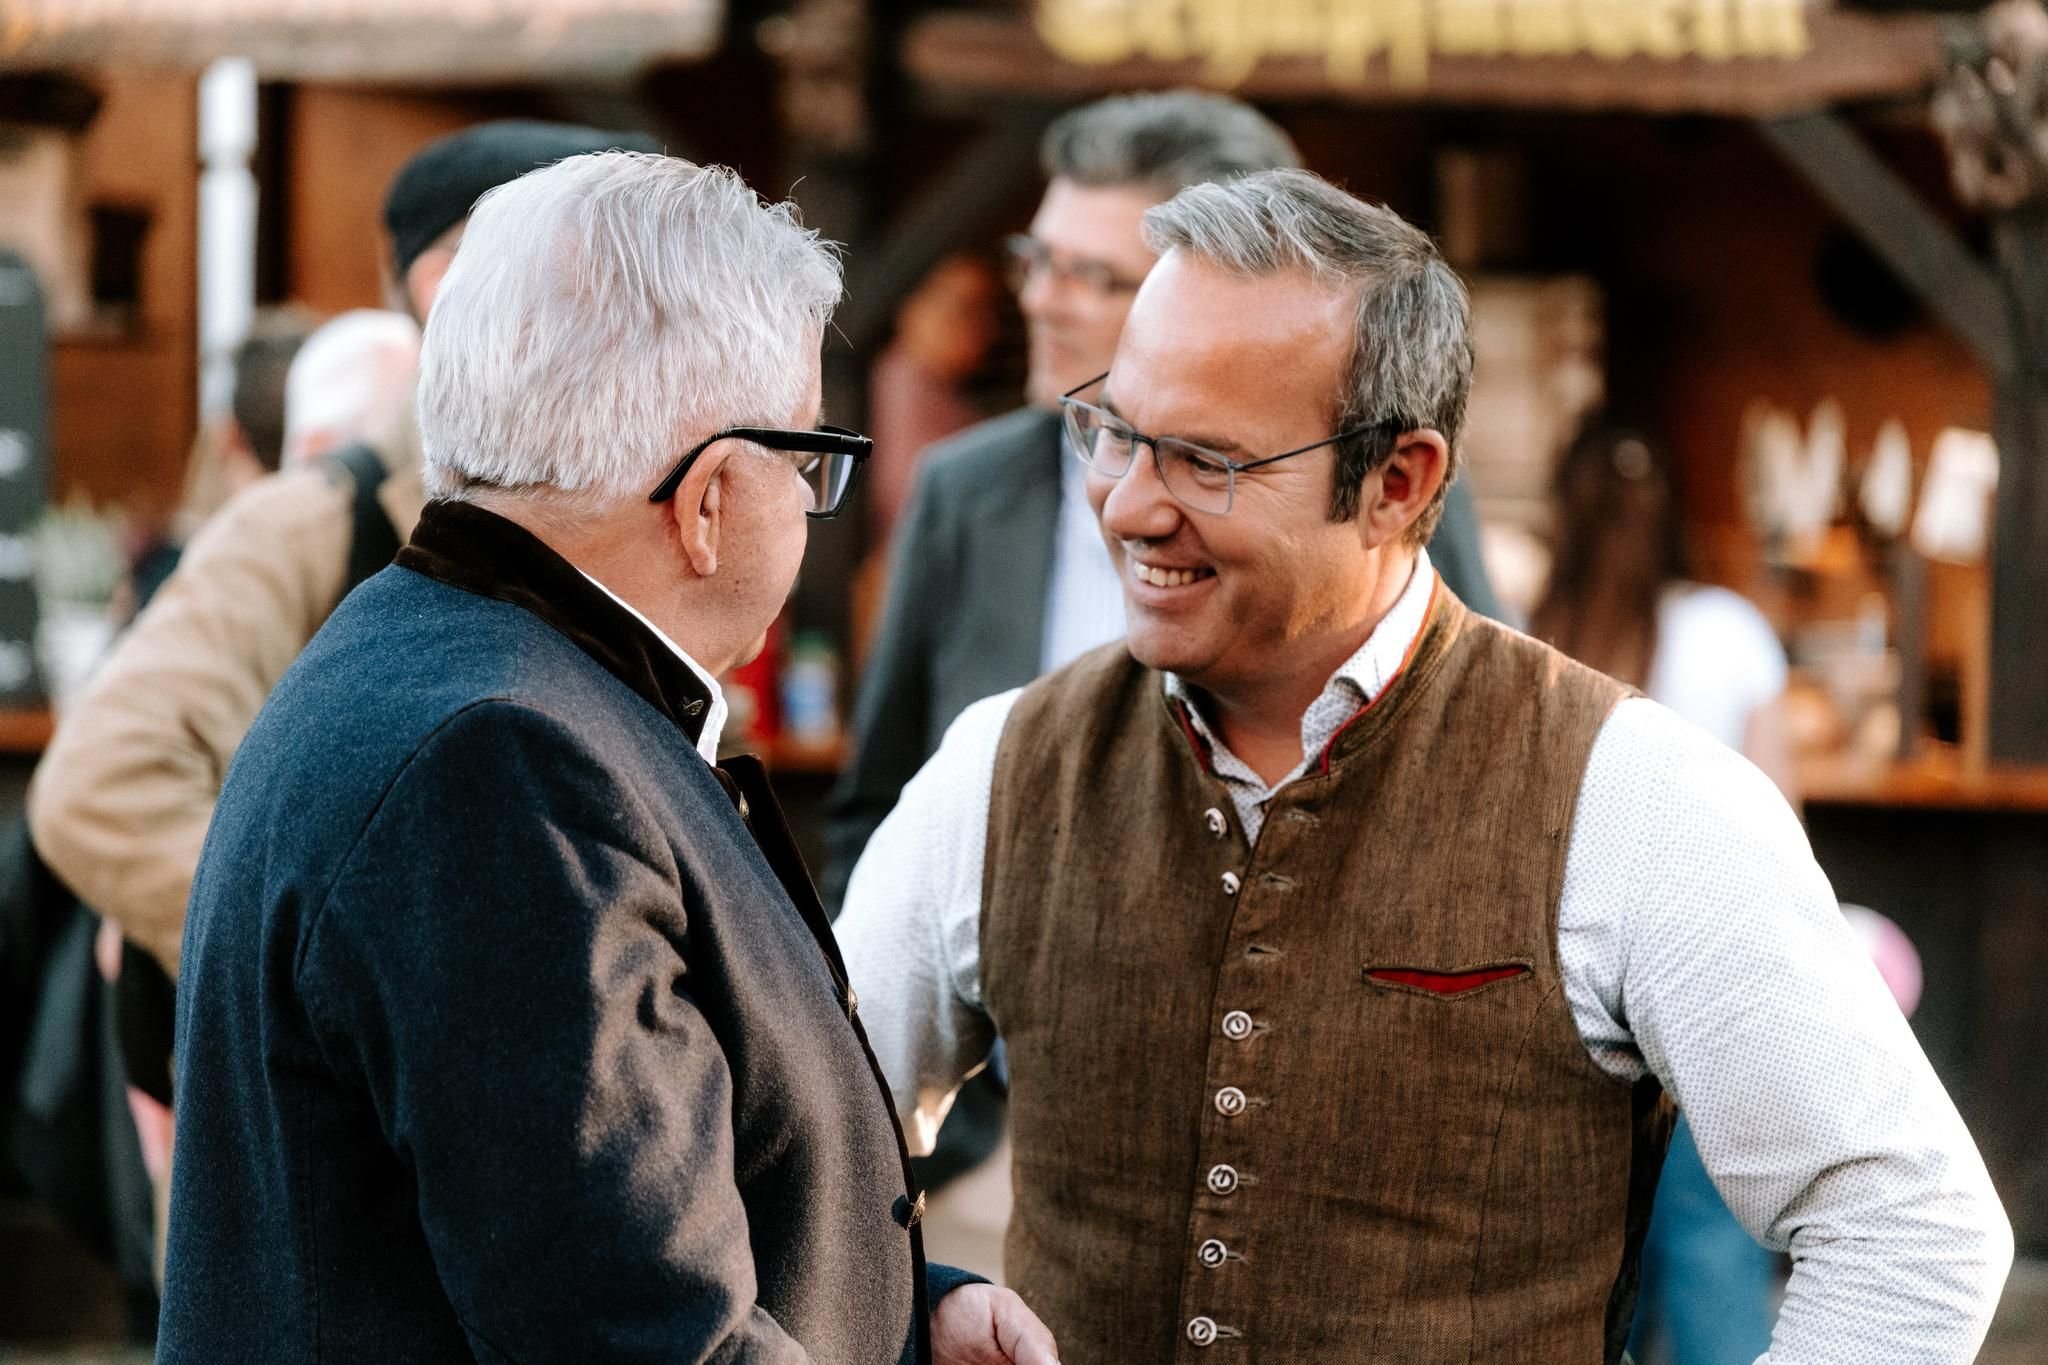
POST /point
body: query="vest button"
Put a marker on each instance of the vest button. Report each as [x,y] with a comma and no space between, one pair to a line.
[1202,1331]
[1218,826]
[1230,1101]
[1237,1026]
[1231,883]
[1212,1253]
[1222,1180]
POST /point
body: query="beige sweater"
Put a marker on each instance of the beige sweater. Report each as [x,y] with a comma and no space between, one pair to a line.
[121,801]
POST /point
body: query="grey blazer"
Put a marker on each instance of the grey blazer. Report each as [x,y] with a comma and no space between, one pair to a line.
[965,619]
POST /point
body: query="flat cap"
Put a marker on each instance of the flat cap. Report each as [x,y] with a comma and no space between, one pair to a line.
[440,185]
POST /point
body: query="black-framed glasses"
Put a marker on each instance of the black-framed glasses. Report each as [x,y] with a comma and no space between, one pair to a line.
[1025,257]
[831,460]
[1198,477]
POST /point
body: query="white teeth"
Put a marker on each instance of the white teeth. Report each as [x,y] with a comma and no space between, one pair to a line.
[1165,578]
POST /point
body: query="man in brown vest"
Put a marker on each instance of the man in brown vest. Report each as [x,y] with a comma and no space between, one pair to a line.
[1345,944]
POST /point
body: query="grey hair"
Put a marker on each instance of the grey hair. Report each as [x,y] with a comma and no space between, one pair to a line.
[1411,358]
[1163,142]
[607,311]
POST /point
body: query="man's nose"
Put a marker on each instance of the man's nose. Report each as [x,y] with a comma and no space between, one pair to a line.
[1137,506]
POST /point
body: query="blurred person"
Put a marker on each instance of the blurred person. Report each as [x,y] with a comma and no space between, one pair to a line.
[231,451]
[352,379]
[1619,601]
[918,390]
[571,1074]
[1344,942]
[121,800]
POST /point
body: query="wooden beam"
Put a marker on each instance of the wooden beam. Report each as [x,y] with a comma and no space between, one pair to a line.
[1905,232]
[1853,57]
[378,41]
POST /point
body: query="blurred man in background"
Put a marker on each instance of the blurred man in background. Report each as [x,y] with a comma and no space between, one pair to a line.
[352,380]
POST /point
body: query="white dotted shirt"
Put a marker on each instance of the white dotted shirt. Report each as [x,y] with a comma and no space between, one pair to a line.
[1699,941]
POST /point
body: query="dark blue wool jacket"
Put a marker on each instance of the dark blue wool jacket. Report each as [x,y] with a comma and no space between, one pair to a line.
[509,1029]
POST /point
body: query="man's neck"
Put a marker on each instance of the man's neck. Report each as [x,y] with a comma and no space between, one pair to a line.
[1260,721]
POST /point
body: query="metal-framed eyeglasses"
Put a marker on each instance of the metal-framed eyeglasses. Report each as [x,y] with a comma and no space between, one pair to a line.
[1025,257]
[828,462]
[1199,478]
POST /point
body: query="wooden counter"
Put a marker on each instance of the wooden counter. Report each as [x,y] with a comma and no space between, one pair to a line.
[1937,781]
[25,734]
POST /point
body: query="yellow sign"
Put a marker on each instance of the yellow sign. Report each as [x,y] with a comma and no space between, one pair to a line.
[1231,37]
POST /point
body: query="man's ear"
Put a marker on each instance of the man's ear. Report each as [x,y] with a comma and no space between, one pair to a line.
[1407,484]
[699,509]
[423,280]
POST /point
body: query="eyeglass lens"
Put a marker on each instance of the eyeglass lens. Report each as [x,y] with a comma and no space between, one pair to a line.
[826,479]
[1198,478]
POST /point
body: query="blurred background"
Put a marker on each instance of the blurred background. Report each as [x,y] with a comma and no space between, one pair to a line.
[1804,243]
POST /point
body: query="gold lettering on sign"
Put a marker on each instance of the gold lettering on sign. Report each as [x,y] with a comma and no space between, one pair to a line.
[1470,28]
[1231,37]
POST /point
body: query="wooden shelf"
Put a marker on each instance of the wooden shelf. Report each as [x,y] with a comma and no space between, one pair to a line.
[1936,782]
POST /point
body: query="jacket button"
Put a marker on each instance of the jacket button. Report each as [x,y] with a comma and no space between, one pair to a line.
[1230,1101]
[1218,825]
[1222,1180]
[1212,1253]
[910,1212]
[1202,1331]
[1237,1026]
[1231,883]
[852,1003]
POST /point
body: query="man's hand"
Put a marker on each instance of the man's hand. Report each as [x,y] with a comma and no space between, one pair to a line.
[979,1324]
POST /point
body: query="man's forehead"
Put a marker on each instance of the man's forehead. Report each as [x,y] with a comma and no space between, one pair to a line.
[1100,220]
[1191,314]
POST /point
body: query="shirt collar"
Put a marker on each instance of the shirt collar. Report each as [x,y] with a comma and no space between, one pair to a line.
[715,713]
[1360,679]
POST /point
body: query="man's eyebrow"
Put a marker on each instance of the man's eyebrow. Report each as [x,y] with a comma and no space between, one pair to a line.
[1222,445]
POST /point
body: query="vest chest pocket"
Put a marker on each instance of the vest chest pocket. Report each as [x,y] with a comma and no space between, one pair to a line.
[1446,983]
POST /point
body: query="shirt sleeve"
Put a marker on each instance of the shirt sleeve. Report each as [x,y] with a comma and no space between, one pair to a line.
[911,929]
[516,1005]
[892,713]
[1701,942]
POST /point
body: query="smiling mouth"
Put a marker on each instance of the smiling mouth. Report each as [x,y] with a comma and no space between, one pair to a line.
[1169,578]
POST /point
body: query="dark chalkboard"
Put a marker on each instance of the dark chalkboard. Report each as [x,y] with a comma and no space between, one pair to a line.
[24,473]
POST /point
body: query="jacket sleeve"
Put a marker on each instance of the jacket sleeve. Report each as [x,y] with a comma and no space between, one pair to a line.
[122,798]
[892,714]
[506,982]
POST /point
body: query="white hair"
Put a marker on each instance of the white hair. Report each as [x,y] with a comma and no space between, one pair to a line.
[608,311]
[351,379]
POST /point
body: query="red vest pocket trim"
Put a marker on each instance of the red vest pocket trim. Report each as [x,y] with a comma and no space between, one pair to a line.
[1445,983]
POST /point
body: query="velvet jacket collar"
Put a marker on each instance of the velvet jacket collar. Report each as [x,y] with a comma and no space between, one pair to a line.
[467,547]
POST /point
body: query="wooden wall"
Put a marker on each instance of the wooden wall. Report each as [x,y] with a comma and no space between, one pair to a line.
[341,146]
[125,398]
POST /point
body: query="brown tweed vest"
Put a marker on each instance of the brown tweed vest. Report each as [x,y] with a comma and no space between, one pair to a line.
[1319,1099]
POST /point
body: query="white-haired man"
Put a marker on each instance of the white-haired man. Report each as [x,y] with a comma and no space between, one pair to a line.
[350,381]
[1343,941]
[509,1028]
